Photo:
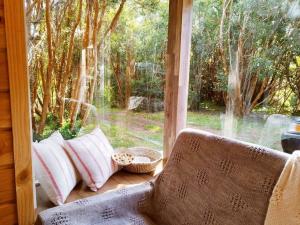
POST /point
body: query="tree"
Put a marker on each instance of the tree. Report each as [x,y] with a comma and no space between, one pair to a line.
[137,53]
[63,28]
[241,52]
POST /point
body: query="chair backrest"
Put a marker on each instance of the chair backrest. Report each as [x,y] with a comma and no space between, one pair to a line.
[212,180]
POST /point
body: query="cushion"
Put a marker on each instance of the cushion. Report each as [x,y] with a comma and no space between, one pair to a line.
[54,169]
[91,154]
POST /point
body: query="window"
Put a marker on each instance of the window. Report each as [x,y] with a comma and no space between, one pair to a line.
[98,63]
[244,73]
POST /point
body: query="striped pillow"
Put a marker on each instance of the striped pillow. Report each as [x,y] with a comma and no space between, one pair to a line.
[91,154]
[54,169]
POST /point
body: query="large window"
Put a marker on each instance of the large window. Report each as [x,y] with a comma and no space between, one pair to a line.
[244,74]
[98,63]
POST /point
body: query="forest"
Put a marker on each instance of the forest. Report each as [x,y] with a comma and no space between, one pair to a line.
[90,61]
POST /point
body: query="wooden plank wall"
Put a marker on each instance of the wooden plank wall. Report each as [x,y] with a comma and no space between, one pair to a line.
[16,186]
[15,33]
[8,206]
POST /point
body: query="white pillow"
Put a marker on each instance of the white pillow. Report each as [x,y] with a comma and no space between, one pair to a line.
[91,154]
[54,169]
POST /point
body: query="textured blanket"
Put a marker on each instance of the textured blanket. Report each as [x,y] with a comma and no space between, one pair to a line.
[208,180]
[124,206]
[284,207]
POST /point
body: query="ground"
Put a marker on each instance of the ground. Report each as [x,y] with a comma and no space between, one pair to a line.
[127,129]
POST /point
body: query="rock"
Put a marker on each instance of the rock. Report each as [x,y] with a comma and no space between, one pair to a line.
[138,103]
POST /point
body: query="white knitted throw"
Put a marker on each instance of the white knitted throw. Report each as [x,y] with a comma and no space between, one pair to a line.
[284,207]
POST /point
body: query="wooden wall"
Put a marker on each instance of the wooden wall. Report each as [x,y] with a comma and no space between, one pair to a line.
[8,207]
[16,186]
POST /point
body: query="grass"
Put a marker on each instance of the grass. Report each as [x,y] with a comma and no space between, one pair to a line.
[146,129]
[120,136]
[149,128]
[129,129]
[117,135]
[152,127]
[158,116]
[208,120]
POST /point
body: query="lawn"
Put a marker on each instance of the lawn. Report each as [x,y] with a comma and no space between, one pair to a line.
[128,129]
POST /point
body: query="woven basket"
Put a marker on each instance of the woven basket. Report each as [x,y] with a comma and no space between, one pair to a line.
[142,167]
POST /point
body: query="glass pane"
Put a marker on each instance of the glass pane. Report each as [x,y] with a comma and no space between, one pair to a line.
[98,63]
[244,74]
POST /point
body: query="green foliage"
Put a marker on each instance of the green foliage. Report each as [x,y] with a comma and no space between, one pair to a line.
[135,35]
[67,132]
[270,35]
[270,50]
[263,65]
[148,86]
[53,125]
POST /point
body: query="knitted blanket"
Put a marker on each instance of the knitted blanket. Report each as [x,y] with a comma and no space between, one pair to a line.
[284,207]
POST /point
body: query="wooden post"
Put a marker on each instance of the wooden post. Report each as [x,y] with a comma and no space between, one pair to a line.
[177,74]
[20,107]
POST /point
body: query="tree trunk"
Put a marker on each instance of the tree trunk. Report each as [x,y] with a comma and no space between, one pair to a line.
[222,52]
[80,88]
[92,88]
[47,85]
[66,76]
[129,74]
[102,70]
[96,48]
[115,62]
[93,81]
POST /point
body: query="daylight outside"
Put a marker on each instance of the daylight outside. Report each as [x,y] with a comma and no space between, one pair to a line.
[102,63]
[244,75]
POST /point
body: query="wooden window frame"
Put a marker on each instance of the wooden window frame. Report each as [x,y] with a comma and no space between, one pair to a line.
[177,74]
[14,12]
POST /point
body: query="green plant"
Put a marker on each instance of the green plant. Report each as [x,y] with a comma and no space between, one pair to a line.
[67,132]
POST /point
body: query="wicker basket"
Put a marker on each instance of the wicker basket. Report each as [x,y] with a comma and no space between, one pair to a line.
[142,167]
[127,158]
